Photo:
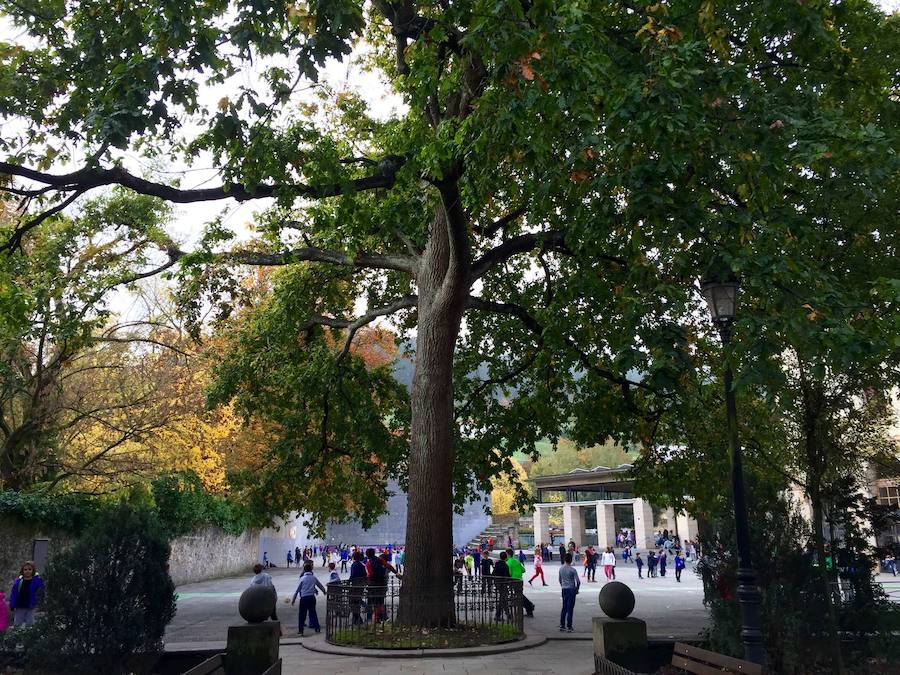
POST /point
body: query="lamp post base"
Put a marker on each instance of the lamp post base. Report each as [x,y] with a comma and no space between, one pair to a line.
[750,601]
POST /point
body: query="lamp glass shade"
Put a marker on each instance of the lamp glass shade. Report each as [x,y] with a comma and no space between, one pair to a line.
[721,296]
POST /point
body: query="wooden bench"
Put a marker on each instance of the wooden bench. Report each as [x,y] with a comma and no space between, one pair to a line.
[705,662]
[216,666]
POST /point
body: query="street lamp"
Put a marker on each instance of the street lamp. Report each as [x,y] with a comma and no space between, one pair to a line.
[720,289]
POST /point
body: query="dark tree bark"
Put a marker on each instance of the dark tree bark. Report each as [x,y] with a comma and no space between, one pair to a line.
[811,396]
[427,594]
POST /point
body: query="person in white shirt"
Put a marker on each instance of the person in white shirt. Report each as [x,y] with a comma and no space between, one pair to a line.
[608,560]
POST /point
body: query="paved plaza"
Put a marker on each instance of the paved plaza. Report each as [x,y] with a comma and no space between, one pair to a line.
[671,609]
[206,609]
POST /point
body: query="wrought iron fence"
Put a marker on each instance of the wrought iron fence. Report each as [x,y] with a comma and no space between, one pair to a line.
[482,610]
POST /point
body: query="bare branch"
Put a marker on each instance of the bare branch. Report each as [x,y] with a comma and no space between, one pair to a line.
[403,302]
[502,222]
[91,177]
[386,261]
[524,243]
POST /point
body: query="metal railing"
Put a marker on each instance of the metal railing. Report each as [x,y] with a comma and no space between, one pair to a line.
[483,610]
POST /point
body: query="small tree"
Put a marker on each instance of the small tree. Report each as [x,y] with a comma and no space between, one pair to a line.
[110,597]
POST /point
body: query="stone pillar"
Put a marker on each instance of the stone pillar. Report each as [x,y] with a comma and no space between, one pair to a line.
[620,641]
[573,524]
[541,525]
[643,524]
[670,521]
[606,525]
[687,527]
[253,647]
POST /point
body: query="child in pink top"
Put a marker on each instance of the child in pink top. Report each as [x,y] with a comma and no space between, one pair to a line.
[538,567]
[4,613]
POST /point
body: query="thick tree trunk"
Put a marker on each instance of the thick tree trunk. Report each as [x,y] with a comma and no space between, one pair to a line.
[427,592]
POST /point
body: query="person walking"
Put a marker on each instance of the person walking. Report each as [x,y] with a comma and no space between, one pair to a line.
[569,583]
[307,589]
[27,591]
[640,564]
[538,568]
[562,552]
[345,557]
[679,565]
[517,571]
[290,558]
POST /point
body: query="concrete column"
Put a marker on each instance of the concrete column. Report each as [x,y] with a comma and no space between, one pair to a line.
[687,527]
[643,524]
[573,524]
[541,525]
[670,521]
[606,525]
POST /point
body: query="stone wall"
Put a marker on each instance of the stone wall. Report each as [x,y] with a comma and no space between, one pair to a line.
[17,546]
[210,553]
[206,554]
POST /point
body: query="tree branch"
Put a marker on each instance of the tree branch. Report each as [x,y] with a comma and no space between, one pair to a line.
[403,302]
[387,261]
[551,240]
[90,177]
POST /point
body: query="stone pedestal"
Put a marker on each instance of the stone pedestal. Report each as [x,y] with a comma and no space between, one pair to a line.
[622,641]
[252,648]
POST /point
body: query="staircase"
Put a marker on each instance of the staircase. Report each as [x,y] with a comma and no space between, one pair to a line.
[495,530]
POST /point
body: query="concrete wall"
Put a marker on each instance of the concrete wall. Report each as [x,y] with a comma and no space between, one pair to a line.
[284,536]
[210,553]
[391,528]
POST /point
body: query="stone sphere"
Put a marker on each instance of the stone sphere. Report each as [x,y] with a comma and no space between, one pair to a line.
[257,603]
[616,600]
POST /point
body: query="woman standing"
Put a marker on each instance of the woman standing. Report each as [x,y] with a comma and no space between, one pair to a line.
[538,567]
[609,564]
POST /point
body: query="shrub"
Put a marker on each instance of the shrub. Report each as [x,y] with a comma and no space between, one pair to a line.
[110,598]
[183,505]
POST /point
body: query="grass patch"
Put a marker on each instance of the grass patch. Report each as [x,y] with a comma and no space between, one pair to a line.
[391,636]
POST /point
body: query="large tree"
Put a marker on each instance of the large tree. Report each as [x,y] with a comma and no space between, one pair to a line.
[557,177]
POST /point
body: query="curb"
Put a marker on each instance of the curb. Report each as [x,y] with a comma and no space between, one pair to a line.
[316,643]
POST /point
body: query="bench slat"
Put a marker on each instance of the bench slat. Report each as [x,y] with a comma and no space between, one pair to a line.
[695,666]
[732,664]
[211,665]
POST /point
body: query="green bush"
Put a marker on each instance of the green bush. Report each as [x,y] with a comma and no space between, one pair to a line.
[69,512]
[110,599]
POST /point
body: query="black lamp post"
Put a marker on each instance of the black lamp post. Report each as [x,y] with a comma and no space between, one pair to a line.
[721,292]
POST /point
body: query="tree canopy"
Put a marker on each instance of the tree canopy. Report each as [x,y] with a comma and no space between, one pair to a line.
[558,177]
